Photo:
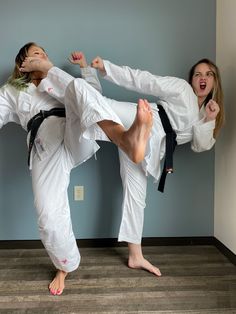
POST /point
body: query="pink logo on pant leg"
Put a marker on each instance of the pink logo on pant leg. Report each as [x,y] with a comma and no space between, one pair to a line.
[64,261]
[50,89]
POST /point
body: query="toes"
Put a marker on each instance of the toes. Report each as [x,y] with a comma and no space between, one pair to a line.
[141,102]
[145,104]
[157,272]
[56,291]
[53,292]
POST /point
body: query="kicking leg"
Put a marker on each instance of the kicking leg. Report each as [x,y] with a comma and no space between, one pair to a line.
[99,121]
[133,141]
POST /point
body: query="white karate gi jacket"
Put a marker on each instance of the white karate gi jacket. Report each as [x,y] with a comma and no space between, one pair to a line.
[20,106]
[177,98]
[180,103]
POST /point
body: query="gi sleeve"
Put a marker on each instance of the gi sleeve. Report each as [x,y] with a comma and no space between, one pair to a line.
[163,87]
[8,105]
[90,76]
[203,136]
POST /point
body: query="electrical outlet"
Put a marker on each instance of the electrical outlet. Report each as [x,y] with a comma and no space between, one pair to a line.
[78,193]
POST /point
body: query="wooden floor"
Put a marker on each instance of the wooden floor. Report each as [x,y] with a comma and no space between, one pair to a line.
[196,279]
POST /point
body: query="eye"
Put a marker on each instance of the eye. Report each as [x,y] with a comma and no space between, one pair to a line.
[196,74]
[210,74]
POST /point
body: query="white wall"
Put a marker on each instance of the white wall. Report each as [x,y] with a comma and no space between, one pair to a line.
[225,163]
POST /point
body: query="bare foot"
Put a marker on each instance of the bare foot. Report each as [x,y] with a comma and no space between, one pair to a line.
[57,286]
[31,64]
[143,264]
[135,139]
[137,261]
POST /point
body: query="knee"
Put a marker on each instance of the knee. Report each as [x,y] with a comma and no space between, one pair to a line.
[75,86]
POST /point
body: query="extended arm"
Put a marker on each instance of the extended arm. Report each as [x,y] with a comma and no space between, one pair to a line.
[163,87]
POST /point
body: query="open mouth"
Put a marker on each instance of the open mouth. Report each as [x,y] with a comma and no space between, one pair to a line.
[203,85]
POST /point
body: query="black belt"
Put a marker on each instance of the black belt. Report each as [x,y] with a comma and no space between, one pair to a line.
[35,122]
[170,147]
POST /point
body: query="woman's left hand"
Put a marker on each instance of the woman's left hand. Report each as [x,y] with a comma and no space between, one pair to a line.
[78,57]
[212,110]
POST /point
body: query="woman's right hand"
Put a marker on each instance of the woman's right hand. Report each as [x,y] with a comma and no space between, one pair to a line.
[212,110]
[97,63]
[78,57]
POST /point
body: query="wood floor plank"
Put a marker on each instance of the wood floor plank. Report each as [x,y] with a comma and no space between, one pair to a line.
[196,280]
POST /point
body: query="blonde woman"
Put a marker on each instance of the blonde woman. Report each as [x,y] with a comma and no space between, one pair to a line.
[57,144]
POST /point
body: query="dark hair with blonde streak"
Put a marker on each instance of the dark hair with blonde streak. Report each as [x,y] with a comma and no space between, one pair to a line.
[19,79]
[216,94]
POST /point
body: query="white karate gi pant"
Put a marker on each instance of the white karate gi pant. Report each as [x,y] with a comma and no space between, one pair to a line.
[50,180]
[51,172]
[134,178]
[134,181]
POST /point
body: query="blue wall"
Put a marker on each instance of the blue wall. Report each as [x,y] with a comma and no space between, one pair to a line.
[163,36]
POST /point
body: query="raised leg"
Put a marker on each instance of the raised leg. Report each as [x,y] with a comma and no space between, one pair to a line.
[93,108]
[134,140]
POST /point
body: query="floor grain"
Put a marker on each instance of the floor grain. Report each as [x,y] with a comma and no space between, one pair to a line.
[195,280]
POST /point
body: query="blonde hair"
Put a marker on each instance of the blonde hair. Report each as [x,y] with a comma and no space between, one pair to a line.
[216,94]
[19,79]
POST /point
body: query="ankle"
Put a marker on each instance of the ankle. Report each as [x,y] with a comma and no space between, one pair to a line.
[62,272]
[135,251]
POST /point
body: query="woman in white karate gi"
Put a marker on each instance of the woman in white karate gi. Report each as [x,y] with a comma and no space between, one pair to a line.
[60,145]
[192,117]
[196,112]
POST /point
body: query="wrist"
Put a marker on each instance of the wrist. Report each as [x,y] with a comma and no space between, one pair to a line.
[102,72]
[84,65]
[207,119]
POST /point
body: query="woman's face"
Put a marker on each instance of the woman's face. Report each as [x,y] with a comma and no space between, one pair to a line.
[203,80]
[35,51]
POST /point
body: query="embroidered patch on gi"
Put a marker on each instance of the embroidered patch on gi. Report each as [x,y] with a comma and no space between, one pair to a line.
[64,261]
